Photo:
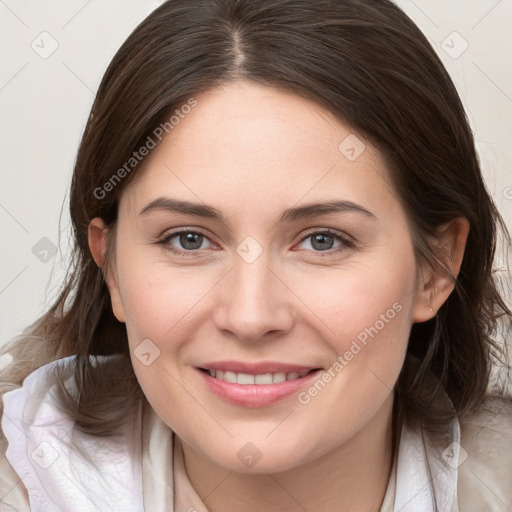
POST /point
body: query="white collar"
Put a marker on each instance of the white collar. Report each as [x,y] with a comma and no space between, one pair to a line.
[426,477]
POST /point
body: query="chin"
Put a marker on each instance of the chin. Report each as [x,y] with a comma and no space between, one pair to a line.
[269,463]
[258,457]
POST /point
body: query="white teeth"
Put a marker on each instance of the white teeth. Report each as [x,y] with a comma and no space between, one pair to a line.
[264,378]
[278,377]
[244,378]
[230,377]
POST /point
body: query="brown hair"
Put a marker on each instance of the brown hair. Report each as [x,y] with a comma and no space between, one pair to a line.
[366,62]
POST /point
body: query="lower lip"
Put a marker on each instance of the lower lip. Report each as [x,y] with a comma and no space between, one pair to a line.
[256,395]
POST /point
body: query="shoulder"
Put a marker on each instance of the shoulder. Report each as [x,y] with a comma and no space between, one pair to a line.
[45,451]
[485,471]
[16,400]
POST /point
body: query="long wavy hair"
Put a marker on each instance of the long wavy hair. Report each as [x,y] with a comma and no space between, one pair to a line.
[368,64]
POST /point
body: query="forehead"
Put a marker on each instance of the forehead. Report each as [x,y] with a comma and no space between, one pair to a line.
[253,145]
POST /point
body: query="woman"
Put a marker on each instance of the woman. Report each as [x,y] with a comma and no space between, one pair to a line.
[282,296]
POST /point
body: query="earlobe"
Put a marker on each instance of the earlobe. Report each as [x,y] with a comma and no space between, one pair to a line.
[97,237]
[435,285]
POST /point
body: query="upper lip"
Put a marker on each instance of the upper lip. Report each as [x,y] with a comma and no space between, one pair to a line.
[256,368]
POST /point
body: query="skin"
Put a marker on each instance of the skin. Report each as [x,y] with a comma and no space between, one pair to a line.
[253,151]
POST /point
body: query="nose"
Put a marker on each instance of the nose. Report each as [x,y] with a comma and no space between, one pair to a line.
[254,304]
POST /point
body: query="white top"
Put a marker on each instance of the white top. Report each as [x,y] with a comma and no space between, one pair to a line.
[143,469]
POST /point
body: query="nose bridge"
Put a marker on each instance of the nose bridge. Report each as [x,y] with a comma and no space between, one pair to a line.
[254,299]
[253,285]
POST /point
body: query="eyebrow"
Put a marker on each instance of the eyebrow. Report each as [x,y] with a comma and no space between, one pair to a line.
[291,214]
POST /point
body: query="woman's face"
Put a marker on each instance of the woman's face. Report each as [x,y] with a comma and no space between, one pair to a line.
[264,283]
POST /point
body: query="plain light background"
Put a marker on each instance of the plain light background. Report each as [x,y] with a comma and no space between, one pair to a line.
[54,54]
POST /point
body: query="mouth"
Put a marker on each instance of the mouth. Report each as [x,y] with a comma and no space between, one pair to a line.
[256,385]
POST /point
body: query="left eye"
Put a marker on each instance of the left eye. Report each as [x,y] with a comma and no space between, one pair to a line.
[323,241]
[189,240]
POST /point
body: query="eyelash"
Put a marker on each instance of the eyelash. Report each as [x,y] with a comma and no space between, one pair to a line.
[347,243]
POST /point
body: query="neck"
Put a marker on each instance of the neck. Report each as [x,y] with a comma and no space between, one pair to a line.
[351,477]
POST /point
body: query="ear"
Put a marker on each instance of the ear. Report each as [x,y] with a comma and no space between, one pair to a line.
[97,236]
[434,285]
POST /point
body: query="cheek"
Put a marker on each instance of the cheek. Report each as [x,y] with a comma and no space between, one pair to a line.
[363,301]
[159,300]
[368,311]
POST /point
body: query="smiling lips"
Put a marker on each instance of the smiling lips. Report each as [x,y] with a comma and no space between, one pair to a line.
[255,385]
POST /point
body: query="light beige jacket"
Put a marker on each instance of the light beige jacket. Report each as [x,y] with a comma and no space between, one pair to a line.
[143,470]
